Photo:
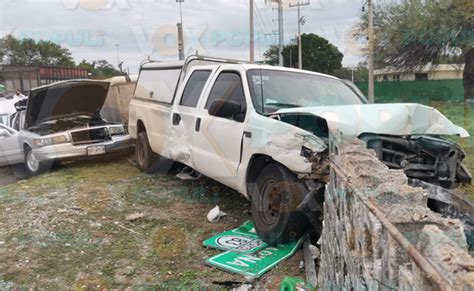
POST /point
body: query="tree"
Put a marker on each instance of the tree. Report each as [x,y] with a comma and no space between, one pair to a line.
[360,73]
[27,52]
[318,54]
[413,33]
[271,55]
[100,69]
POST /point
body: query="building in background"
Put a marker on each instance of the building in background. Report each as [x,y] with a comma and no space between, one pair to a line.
[430,83]
[26,78]
[428,72]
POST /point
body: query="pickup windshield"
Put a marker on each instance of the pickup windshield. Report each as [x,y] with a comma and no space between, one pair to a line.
[272,90]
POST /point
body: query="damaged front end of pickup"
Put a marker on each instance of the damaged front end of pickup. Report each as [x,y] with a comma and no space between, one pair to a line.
[432,159]
[408,137]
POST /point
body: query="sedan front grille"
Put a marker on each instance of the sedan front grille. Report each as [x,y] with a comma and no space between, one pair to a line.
[90,136]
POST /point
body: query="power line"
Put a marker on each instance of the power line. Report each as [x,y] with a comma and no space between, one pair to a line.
[260,19]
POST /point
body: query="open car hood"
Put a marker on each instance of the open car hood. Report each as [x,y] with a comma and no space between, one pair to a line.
[68,98]
[388,119]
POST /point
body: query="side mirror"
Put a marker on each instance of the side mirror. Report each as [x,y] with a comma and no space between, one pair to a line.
[225,109]
[4,132]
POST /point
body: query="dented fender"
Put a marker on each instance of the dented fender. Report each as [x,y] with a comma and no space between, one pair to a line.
[284,143]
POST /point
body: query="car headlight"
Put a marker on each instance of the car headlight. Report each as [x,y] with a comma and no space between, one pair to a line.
[117,130]
[59,139]
[38,142]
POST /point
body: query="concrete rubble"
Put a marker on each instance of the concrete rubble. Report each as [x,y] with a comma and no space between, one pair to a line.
[378,232]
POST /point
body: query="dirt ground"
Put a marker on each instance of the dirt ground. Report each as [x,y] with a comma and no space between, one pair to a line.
[68,230]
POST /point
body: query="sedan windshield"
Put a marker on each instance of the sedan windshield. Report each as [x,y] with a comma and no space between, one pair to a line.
[272,90]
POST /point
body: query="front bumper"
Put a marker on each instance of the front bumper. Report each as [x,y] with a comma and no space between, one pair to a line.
[68,151]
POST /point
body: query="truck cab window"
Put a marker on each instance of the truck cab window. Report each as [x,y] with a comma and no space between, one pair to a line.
[228,86]
[194,88]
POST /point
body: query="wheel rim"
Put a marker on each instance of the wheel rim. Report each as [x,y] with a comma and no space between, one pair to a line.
[272,201]
[32,161]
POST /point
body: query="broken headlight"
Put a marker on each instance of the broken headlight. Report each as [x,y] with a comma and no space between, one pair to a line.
[117,130]
[59,139]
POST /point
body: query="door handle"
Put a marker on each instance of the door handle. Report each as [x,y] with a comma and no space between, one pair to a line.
[198,124]
[176,119]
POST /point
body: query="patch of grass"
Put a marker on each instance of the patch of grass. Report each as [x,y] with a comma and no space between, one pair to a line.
[108,270]
[91,282]
[169,242]
[146,195]
[123,246]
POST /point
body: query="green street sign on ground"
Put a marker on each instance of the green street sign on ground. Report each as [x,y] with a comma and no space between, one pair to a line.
[243,239]
[254,265]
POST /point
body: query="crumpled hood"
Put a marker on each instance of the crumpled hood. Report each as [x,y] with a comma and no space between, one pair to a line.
[69,98]
[389,119]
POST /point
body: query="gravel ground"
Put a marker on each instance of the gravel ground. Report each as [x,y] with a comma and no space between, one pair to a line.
[68,230]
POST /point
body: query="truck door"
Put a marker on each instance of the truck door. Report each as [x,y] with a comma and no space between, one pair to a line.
[183,117]
[218,141]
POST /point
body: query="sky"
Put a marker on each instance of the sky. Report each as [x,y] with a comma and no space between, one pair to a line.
[134,30]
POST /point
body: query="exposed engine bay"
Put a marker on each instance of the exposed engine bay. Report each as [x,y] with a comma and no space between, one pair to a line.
[432,159]
[68,123]
[429,158]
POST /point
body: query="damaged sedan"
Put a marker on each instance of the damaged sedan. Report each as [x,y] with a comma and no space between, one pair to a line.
[62,121]
[264,131]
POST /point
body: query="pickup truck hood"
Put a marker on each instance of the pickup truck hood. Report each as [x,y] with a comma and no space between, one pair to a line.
[389,119]
[69,98]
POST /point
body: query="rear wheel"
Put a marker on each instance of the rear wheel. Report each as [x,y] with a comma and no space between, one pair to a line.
[33,165]
[145,156]
[147,160]
[277,195]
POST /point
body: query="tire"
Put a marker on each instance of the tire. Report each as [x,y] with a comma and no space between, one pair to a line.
[277,194]
[33,166]
[147,161]
[145,156]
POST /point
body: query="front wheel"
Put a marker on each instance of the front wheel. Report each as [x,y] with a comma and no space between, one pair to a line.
[276,196]
[33,165]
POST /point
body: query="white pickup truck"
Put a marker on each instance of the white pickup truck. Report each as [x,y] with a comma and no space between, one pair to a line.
[264,131]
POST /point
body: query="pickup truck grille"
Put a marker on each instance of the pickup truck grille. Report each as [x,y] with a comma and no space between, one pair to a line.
[90,136]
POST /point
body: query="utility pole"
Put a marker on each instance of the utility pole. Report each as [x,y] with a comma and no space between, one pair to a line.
[280,32]
[180,31]
[371,52]
[252,32]
[301,21]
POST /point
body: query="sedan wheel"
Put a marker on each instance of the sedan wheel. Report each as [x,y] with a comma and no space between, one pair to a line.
[32,162]
[33,165]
